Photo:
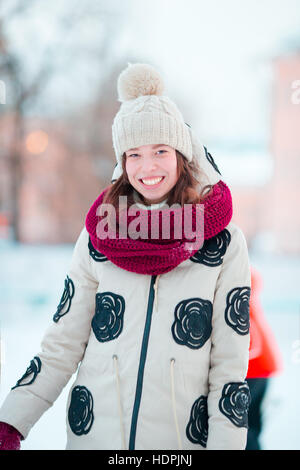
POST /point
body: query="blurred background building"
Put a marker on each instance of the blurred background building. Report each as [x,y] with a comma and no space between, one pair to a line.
[268,212]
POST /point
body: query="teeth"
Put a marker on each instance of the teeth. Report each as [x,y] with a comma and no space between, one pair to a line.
[152,181]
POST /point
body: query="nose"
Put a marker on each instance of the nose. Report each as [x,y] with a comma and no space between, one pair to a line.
[149,164]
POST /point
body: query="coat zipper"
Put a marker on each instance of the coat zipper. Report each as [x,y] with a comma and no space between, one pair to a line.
[140,377]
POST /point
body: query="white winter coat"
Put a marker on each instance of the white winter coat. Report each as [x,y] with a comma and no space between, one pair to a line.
[162,359]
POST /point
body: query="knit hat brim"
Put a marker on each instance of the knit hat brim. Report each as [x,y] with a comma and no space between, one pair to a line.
[205,161]
[145,128]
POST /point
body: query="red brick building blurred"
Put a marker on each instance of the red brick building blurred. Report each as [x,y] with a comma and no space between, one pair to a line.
[273,207]
[284,195]
[59,182]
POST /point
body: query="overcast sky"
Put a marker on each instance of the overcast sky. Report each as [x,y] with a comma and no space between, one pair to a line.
[215,56]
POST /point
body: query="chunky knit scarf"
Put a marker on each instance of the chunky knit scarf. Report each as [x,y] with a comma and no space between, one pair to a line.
[146,255]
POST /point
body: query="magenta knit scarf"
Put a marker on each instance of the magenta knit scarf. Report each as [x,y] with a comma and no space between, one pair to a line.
[157,256]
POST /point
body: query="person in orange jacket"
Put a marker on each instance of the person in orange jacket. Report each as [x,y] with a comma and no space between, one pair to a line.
[265,360]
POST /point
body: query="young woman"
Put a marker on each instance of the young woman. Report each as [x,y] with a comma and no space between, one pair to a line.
[156,318]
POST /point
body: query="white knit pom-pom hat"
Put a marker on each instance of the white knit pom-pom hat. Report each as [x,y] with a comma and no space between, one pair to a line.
[147,117]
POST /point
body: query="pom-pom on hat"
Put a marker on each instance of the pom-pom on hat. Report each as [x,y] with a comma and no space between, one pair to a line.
[146,116]
[139,80]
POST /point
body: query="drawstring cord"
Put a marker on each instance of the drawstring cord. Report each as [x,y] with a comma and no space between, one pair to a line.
[172,362]
[155,290]
[115,358]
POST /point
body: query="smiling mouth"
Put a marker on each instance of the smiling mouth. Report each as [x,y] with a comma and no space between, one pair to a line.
[152,181]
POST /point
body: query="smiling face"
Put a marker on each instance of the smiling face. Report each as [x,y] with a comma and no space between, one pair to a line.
[152,171]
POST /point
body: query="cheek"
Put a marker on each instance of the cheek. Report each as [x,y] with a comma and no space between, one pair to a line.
[129,170]
[172,170]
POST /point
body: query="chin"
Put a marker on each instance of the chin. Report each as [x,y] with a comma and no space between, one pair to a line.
[154,199]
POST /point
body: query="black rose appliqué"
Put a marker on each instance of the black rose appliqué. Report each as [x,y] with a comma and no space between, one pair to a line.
[213,249]
[96,255]
[235,402]
[107,322]
[192,325]
[80,414]
[31,372]
[66,300]
[237,309]
[197,427]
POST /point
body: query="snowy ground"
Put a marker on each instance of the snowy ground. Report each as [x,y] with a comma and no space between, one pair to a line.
[31,284]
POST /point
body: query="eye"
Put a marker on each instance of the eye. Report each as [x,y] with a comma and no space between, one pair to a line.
[161,151]
[134,155]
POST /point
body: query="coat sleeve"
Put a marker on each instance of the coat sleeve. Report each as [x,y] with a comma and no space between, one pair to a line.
[229,397]
[62,346]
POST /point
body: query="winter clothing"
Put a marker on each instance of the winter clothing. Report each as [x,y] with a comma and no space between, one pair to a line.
[147,255]
[9,437]
[162,356]
[258,388]
[141,340]
[265,359]
[145,116]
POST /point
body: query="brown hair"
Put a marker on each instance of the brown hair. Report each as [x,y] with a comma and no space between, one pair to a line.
[186,189]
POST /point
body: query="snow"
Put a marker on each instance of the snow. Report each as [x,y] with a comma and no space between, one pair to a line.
[32,281]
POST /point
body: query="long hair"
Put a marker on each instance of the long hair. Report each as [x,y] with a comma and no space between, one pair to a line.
[186,190]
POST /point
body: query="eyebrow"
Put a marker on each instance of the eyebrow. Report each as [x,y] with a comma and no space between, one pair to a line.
[153,146]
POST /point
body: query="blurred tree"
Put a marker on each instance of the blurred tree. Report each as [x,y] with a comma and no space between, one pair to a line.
[84,32]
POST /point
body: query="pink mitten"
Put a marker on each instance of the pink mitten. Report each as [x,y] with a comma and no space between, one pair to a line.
[9,437]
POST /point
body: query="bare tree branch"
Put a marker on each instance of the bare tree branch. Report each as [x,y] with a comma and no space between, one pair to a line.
[58,56]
